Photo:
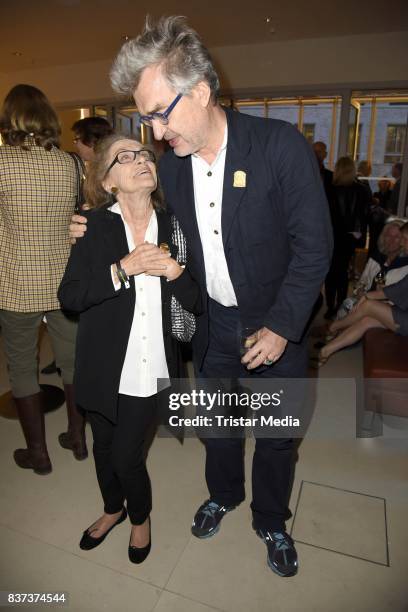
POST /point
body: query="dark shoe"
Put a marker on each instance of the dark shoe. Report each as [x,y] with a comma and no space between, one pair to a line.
[77,446]
[74,439]
[51,368]
[138,555]
[207,519]
[33,460]
[88,542]
[282,555]
[31,416]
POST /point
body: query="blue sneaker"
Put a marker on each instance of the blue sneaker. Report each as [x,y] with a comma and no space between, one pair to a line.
[207,519]
[282,555]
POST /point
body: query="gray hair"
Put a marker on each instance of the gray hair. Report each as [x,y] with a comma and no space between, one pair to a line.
[171,43]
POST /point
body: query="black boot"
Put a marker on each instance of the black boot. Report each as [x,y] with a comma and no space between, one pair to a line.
[51,368]
[31,416]
[74,439]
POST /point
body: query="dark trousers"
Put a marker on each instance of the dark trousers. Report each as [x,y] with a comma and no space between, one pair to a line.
[337,279]
[273,460]
[119,453]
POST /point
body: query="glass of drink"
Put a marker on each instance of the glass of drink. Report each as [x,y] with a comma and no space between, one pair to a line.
[247,338]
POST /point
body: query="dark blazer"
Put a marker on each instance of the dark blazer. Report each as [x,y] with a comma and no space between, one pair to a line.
[106,315]
[350,209]
[276,229]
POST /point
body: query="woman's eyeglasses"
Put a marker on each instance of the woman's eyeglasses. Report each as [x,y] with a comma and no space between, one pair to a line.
[127,157]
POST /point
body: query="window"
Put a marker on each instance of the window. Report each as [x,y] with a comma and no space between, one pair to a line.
[350,142]
[394,144]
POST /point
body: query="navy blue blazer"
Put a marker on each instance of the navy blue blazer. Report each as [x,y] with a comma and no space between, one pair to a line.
[276,230]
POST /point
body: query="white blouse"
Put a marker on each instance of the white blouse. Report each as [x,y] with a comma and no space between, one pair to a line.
[145,359]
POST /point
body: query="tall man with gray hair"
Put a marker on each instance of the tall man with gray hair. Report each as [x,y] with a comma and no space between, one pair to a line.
[248,195]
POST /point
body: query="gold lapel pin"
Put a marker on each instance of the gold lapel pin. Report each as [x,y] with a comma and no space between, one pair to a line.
[239,178]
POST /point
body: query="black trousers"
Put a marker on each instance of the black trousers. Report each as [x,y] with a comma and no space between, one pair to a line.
[337,279]
[273,460]
[119,453]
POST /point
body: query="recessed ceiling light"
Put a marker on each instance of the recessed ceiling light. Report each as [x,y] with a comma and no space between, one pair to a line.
[126,37]
[17,53]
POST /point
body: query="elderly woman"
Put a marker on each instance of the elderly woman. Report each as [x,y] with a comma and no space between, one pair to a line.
[38,186]
[122,283]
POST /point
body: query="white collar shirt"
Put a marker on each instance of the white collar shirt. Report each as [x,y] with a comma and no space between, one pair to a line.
[208,180]
[145,359]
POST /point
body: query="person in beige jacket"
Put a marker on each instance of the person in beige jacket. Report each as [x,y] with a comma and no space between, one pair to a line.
[38,186]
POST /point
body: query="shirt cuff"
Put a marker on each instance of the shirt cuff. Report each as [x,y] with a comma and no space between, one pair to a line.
[115,284]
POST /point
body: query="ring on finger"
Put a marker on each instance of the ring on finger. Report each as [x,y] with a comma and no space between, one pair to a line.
[268,362]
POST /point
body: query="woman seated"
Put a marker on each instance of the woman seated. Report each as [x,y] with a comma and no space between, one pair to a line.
[122,284]
[386,308]
[387,265]
[391,258]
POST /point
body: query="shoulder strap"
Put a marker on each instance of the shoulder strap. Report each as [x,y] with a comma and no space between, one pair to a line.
[80,173]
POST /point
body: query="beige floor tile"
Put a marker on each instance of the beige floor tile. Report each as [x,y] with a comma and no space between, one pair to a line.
[169,602]
[58,507]
[232,574]
[44,517]
[342,521]
[28,565]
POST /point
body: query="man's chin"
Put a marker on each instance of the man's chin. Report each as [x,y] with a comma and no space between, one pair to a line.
[182,149]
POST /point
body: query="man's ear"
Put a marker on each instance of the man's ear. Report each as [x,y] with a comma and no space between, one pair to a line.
[202,92]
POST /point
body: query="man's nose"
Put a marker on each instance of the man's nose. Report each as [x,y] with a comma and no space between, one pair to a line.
[158,129]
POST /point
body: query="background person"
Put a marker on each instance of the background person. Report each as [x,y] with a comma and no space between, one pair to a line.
[87,133]
[37,197]
[349,209]
[371,312]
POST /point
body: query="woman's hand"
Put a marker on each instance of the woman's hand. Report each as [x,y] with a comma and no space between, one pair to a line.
[145,258]
[172,269]
[360,302]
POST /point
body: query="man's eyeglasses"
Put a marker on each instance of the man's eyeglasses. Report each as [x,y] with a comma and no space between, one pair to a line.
[126,157]
[162,118]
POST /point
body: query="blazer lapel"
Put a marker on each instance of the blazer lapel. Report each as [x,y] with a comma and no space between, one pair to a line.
[185,211]
[115,235]
[236,175]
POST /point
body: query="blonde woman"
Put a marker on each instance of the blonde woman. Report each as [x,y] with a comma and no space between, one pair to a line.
[349,208]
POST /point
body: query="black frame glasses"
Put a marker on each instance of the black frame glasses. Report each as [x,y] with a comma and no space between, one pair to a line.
[144,154]
[162,118]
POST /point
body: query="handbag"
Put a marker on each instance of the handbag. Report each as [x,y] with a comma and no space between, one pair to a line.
[80,175]
[183,322]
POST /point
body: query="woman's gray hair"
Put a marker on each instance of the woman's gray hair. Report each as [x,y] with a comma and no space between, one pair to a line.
[173,44]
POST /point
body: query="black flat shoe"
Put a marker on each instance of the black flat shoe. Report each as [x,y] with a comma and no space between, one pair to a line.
[138,555]
[88,542]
